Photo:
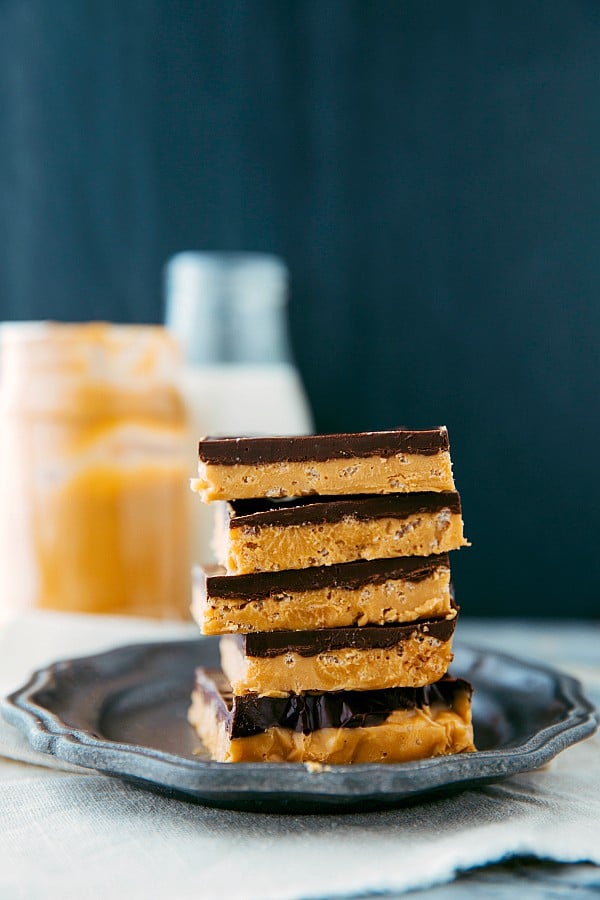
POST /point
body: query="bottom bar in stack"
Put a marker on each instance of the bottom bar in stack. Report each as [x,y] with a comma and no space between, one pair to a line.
[338,727]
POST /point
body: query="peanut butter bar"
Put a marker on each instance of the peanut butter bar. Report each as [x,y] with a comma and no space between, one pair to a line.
[386,726]
[333,659]
[367,592]
[373,462]
[268,536]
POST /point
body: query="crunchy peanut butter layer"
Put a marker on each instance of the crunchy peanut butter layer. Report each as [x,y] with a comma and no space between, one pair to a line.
[400,473]
[414,662]
[397,600]
[271,548]
[405,735]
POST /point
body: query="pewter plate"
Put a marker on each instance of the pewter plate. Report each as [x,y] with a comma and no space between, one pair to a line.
[124,714]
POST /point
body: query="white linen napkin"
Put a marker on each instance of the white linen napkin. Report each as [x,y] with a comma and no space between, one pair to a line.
[80,834]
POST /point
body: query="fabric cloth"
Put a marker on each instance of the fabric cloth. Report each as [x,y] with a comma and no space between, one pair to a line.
[74,833]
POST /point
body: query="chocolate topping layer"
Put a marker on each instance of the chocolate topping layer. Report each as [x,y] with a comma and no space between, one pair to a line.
[345,575]
[311,511]
[267,644]
[249,714]
[253,451]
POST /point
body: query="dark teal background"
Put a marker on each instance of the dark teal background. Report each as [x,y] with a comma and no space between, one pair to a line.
[431,173]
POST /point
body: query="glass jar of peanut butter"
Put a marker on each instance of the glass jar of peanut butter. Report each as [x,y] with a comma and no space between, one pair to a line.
[94,474]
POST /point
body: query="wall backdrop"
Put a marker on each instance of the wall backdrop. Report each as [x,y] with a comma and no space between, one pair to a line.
[431,173]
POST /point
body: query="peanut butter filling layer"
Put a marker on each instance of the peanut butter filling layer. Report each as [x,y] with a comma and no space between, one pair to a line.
[416,661]
[404,736]
[270,548]
[393,600]
[402,472]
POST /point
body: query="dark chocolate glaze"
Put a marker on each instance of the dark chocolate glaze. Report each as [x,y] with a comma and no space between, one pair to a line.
[267,644]
[311,511]
[249,714]
[351,575]
[320,447]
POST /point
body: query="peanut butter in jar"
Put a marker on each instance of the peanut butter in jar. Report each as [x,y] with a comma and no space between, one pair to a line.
[94,474]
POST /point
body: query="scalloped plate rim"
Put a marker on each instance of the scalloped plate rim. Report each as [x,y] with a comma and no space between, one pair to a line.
[46,733]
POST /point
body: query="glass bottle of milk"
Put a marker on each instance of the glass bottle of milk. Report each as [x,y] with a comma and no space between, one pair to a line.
[229,313]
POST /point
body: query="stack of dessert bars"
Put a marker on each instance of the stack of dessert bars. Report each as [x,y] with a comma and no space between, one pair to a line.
[333,597]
